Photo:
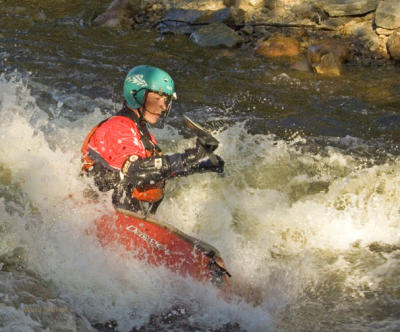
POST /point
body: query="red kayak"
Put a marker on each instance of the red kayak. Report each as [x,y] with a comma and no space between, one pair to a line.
[162,244]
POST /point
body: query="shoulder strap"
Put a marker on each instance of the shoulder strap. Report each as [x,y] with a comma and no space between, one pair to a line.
[148,144]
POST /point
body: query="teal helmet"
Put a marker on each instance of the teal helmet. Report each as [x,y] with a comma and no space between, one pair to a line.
[142,79]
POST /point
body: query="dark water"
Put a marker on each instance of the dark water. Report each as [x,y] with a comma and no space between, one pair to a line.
[307,216]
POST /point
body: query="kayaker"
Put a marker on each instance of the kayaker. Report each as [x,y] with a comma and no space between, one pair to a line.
[122,155]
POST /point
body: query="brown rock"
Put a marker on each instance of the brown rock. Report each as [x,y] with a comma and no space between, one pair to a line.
[393,45]
[216,34]
[279,47]
[329,65]
[335,47]
[382,31]
[347,7]
[388,14]
[119,13]
[198,4]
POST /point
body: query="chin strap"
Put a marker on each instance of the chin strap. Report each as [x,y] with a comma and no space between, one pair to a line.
[143,107]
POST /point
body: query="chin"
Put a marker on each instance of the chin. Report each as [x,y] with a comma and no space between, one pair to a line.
[153,121]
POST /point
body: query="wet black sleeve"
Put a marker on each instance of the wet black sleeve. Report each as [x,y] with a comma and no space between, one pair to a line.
[151,170]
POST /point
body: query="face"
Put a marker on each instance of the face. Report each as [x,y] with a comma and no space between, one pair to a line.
[154,106]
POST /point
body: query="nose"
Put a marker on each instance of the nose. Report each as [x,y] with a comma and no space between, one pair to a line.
[163,103]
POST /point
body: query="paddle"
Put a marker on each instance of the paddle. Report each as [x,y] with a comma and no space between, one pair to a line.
[208,142]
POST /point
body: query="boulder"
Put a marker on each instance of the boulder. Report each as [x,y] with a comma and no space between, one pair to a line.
[335,23]
[393,45]
[183,15]
[276,11]
[179,21]
[335,47]
[216,34]
[226,15]
[365,32]
[388,14]
[327,57]
[279,47]
[384,32]
[330,65]
[119,13]
[347,7]
[303,10]
[186,21]
[230,3]
[198,4]
[250,5]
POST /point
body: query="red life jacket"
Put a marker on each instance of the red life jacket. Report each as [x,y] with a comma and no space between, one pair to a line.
[117,139]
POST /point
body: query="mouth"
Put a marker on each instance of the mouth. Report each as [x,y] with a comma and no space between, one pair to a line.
[154,113]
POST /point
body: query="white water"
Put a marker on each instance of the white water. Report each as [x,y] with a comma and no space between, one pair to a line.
[279,236]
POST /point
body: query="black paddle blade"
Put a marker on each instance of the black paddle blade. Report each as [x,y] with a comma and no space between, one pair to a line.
[206,140]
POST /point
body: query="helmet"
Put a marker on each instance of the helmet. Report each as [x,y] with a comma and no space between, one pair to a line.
[141,79]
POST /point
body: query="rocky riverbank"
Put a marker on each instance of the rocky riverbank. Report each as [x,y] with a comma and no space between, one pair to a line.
[309,34]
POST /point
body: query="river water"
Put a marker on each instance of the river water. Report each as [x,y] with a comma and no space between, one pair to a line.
[306,215]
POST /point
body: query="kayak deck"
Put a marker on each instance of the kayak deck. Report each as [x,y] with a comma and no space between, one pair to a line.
[159,243]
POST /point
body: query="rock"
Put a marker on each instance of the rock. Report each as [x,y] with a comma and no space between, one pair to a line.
[183,15]
[216,34]
[388,14]
[230,3]
[327,57]
[383,49]
[303,10]
[226,15]
[238,16]
[336,22]
[261,31]
[198,4]
[250,5]
[248,29]
[336,47]
[252,9]
[185,21]
[384,32]
[119,13]
[279,47]
[179,21]
[347,7]
[393,45]
[363,31]
[330,65]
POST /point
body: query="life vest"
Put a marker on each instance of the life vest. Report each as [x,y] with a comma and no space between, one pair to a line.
[87,162]
[151,193]
[142,145]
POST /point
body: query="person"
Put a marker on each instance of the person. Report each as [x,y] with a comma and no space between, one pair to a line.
[122,155]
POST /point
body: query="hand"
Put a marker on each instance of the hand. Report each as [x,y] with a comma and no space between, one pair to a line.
[213,164]
[193,155]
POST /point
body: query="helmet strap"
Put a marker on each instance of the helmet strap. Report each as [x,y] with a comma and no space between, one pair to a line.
[142,108]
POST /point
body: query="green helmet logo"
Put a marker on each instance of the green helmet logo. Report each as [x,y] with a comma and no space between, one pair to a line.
[141,79]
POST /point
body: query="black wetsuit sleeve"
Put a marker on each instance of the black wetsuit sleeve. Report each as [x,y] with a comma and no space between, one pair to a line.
[151,170]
